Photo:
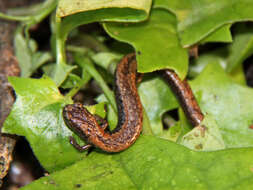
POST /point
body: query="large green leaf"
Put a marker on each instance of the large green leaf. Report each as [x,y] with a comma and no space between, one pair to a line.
[228,102]
[222,34]
[153,163]
[146,37]
[37,115]
[198,19]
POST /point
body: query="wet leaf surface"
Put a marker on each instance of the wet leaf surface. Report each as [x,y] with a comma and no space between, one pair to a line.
[158,164]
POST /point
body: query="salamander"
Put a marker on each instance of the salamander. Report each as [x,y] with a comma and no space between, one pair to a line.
[130,116]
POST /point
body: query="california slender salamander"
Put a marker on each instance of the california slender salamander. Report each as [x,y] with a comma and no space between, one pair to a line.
[185,96]
[129,126]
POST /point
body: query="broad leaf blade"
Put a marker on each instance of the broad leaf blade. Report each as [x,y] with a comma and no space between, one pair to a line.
[146,37]
[154,163]
[228,102]
[198,19]
[205,17]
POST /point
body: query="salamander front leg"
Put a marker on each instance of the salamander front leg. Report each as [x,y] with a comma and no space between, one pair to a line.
[77,146]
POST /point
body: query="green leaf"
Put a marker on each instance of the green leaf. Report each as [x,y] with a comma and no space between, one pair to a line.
[211,57]
[146,127]
[98,109]
[71,81]
[112,117]
[173,133]
[185,124]
[219,56]
[222,34]
[153,163]
[242,46]
[66,7]
[77,83]
[23,54]
[60,72]
[31,15]
[37,115]
[80,12]
[229,103]
[156,98]
[158,32]
[107,60]
[33,10]
[205,137]
[198,19]
[28,57]
[40,58]
[238,75]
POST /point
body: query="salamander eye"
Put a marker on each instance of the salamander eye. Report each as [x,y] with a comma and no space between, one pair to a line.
[75,115]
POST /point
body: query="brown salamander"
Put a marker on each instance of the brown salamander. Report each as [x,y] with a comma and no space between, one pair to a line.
[185,96]
[129,126]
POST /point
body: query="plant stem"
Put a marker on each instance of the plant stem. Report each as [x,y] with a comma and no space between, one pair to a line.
[77,49]
[74,90]
[60,44]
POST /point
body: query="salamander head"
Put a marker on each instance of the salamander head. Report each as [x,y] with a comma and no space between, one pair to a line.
[77,118]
